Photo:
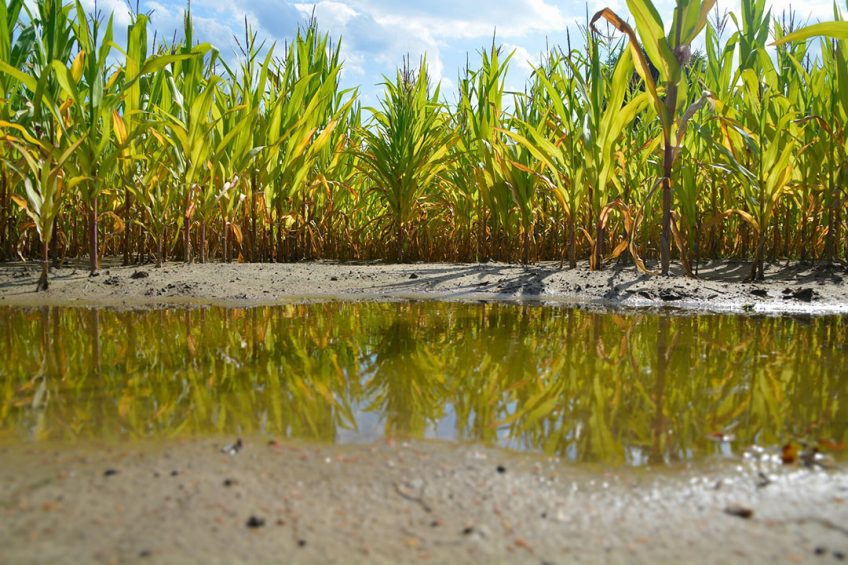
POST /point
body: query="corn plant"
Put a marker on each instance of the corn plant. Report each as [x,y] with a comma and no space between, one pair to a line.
[407,149]
[669,54]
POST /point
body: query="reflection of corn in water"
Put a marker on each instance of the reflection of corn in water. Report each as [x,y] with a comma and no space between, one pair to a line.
[607,387]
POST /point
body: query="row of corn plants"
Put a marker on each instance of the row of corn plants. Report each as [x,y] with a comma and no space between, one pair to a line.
[626,144]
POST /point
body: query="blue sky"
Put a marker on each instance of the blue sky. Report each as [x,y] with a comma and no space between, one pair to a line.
[376,34]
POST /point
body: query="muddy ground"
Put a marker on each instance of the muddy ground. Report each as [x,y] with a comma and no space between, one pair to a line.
[791,288]
[186,501]
[394,502]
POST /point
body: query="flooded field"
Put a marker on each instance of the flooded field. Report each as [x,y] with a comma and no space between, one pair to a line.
[603,387]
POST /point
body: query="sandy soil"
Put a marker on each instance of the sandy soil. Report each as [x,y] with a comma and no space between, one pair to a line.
[791,288]
[187,501]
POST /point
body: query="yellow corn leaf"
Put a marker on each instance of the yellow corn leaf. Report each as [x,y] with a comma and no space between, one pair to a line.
[237,233]
[119,223]
[681,247]
[77,65]
[119,127]
[620,248]
[747,217]
[20,201]
[112,79]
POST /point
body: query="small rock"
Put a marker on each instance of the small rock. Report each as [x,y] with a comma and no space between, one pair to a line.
[301,543]
[501,469]
[139,275]
[413,276]
[230,482]
[820,550]
[110,472]
[762,293]
[334,278]
[739,511]
[144,553]
[255,522]
[234,448]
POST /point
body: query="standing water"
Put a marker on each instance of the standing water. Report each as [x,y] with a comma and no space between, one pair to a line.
[606,387]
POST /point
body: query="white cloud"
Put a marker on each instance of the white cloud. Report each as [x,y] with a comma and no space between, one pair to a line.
[522,58]
[377,34]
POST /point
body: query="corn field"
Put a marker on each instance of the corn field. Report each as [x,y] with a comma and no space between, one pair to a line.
[711,135]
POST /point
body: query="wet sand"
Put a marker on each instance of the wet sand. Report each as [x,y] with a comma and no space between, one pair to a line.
[392,502]
[792,288]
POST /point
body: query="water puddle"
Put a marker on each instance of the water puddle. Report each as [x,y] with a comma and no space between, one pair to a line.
[612,388]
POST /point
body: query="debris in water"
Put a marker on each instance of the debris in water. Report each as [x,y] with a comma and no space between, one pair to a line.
[789,454]
[234,448]
[255,522]
[721,437]
[739,511]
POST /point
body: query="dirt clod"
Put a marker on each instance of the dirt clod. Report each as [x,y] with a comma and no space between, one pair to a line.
[804,294]
[739,511]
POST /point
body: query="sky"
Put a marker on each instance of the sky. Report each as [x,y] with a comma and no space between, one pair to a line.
[377,34]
